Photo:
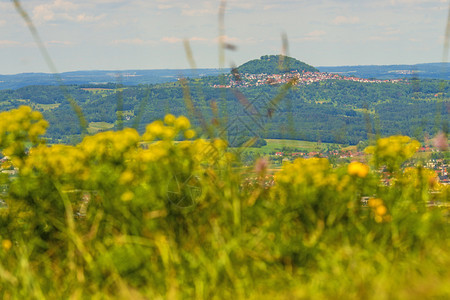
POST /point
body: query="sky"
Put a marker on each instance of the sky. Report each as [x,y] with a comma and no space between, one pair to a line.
[150,34]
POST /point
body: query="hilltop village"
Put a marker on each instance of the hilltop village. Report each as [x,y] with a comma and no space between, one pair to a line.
[300,78]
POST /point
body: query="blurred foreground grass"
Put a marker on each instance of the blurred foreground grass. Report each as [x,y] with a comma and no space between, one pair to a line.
[139,217]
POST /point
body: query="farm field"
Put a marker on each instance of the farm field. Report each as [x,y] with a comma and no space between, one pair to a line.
[275,145]
[44,107]
[95,127]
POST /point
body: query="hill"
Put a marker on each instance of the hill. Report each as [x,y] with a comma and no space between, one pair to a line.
[322,106]
[99,77]
[274,64]
[428,70]
[331,110]
[267,64]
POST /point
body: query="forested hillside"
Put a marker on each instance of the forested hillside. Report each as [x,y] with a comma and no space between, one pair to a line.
[330,111]
[275,64]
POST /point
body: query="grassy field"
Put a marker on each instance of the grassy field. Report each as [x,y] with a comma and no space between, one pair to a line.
[95,127]
[276,145]
[103,91]
[44,107]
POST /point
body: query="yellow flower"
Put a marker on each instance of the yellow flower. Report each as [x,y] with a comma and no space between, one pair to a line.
[153,130]
[169,119]
[220,144]
[126,177]
[182,123]
[381,210]
[189,134]
[169,133]
[358,169]
[127,196]
[375,202]
[393,150]
[6,244]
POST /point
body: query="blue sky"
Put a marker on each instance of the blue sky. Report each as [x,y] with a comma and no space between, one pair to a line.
[149,34]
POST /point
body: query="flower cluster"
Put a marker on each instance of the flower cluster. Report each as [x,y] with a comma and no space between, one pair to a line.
[312,171]
[358,169]
[17,127]
[123,214]
[379,210]
[393,151]
[173,126]
[57,161]
[122,163]
[110,145]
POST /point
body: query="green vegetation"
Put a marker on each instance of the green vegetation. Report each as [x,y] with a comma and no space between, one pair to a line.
[334,111]
[109,218]
[44,107]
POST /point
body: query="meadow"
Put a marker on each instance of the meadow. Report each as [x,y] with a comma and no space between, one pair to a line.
[95,127]
[108,218]
[276,145]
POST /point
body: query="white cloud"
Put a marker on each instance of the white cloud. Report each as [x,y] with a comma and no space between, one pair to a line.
[7,43]
[413,2]
[135,41]
[165,6]
[171,39]
[111,1]
[62,10]
[206,8]
[198,39]
[388,34]
[86,18]
[345,20]
[227,39]
[198,12]
[391,31]
[59,43]
[382,38]
[270,6]
[49,12]
[174,40]
[241,4]
[315,35]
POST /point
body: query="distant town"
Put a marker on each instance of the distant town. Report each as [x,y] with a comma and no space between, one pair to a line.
[300,78]
[428,156]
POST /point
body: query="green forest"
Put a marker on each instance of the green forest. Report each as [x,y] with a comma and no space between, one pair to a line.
[330,111]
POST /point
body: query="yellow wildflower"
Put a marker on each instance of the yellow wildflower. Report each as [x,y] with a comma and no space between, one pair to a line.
[169,119]
[358,169]
[126,177]
[127,196]
[153,130]
[182,123]
[375,202]
[381,210]
[6,244]
[189,134]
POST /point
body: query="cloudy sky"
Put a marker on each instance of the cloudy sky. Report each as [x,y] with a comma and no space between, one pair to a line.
[149,34]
